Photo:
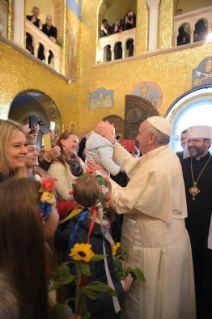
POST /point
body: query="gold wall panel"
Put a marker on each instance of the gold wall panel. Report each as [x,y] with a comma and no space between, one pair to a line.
[19,74]
[10,23]
[171,71]
[166,24]
[142,20]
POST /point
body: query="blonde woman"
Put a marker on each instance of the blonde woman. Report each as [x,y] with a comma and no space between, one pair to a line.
[12,150]
[32,168]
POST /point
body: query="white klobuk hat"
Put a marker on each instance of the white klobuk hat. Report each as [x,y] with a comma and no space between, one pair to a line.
[161,124]
[198,131]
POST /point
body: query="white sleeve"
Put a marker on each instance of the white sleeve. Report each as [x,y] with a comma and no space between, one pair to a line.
[148,192]
[63,183]
[106,159]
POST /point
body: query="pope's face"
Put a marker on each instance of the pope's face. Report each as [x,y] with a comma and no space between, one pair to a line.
[143,137]
[198,147]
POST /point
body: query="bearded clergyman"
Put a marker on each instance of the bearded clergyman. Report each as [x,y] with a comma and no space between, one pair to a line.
[197,171]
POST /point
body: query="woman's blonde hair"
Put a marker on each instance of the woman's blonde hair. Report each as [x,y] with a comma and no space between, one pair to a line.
[8,128]
[30,140]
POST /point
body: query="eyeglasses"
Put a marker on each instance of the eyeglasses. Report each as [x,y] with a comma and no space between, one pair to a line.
[195,141]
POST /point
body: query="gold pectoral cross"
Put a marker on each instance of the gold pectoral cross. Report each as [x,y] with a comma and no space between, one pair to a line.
[194,190]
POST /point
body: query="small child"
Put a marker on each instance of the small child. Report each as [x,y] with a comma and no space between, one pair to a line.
[101,144]
[89,192]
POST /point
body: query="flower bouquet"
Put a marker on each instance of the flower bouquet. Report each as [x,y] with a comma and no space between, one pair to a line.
[81,254]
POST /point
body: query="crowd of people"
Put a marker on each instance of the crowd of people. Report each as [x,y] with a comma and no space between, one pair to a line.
[184,32]
[46,28]
[120,25]
[164,204]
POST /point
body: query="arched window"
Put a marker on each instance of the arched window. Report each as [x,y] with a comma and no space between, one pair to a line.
[192,108]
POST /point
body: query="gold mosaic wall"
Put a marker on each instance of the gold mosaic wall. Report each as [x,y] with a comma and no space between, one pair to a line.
[18,74]
[172,72]
[166,23]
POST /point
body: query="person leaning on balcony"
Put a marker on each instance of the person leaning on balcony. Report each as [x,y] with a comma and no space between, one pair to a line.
[184,34]
[51,32]
[118,27]
[34,19]
[130,23]
[201,30]
[105,30]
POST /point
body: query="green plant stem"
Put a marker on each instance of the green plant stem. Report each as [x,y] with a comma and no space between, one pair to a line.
[77,288]
[125,294]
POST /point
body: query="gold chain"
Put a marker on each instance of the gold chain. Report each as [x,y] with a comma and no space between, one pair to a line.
[192,174]
[194,190]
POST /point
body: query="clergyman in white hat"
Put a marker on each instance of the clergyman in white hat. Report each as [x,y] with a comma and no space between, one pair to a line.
[154,208]
[197,171]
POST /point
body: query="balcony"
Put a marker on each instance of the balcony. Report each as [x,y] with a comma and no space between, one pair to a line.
[39,37]
[112,40]
[191,18]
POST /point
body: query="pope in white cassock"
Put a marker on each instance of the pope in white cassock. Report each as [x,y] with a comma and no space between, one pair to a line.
[154,208]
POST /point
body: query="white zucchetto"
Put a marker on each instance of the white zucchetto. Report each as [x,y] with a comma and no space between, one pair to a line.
[161,124]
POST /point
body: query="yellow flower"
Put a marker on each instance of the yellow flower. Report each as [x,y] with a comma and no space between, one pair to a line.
[82,252]
[115,248]
[47,197]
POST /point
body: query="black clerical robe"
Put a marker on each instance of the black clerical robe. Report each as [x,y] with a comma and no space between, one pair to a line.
[198,223]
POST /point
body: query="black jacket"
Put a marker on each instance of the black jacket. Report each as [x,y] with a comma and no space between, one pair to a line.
[37,21]
[103,306]
[52,32]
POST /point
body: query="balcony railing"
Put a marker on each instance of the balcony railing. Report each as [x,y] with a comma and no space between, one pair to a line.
[112,40]
[39,37]
[191,18]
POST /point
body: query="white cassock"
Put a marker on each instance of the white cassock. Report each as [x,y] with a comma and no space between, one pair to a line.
[154,208]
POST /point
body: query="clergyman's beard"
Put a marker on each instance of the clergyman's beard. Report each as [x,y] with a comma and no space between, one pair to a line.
[193,154]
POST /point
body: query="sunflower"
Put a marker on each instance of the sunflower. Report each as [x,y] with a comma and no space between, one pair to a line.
[82,252]
[115,248]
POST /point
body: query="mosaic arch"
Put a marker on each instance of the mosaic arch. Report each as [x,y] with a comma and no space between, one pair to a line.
[48,105]
[103,9]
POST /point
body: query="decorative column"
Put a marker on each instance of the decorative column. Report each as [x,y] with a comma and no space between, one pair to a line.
[19,22]
[112,53]
[124,50]
[192,34]
[153,6]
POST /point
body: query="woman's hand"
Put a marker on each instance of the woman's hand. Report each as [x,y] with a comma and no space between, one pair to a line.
[97,166]
[52,155]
